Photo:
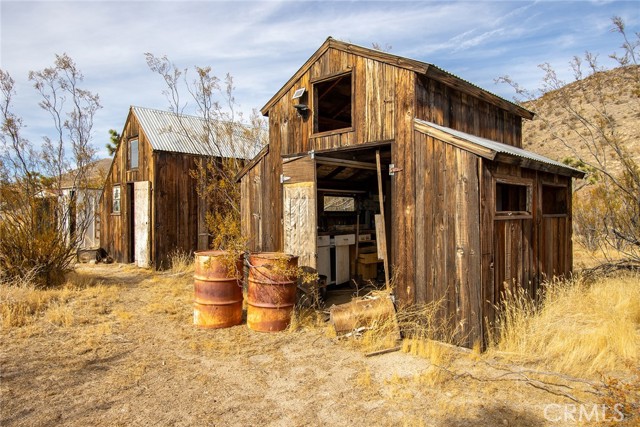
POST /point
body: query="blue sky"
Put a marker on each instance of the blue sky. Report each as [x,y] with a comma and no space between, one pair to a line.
[263,43]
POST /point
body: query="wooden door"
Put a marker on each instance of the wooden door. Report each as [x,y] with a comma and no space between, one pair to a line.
[141,221]
[299,209]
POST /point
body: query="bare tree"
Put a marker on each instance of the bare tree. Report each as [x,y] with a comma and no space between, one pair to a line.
[607,209]
[226,137]
[41,225]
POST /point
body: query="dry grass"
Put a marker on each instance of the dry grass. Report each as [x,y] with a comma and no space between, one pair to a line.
[578,328]
[22,302]
[122,349]
[181,263]
[304,318]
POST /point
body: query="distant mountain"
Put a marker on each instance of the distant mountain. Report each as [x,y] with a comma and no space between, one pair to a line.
[619,87]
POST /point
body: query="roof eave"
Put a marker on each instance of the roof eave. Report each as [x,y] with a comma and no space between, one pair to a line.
[491,154]
[263,152]
[539,166]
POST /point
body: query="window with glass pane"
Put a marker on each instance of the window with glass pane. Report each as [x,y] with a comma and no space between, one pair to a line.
[115,207]
[133,154]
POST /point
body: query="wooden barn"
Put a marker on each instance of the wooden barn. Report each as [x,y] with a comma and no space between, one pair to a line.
[150,207]
[467,211]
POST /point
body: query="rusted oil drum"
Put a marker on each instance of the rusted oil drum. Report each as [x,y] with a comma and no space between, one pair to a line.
[217,290]
[271,291]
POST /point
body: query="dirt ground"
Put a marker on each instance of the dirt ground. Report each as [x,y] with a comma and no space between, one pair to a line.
[124,352]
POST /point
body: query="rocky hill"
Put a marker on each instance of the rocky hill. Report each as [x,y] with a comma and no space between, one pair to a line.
[557,131]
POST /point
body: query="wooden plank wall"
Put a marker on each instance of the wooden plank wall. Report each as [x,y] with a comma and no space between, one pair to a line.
[175,204]
[555,238]
[261,206]
[403,198]
[445,106]
[115,227]
[445,254]
[374,112]
[520,252]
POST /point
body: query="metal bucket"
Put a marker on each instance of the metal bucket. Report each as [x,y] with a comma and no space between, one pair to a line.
[271,291]
[217,290]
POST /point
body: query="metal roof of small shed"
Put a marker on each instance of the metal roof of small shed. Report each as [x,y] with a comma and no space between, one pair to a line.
[493,150]
[181,133]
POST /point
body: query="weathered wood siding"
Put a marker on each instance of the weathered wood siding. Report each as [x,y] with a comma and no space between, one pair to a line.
[175,206]
[442,261]
[446,106]
[261,204]
[375,100]
[383,97]
[115,227]
[521,251]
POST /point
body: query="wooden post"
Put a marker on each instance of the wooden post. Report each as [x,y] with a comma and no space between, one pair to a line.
[357,243]
[382,220]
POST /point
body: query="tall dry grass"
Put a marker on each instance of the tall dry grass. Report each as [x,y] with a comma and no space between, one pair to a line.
[181,262]
[23,301]
[578,328]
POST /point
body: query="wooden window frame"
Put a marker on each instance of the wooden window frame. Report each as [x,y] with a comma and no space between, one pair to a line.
[129,157]
[555,185]
[113,199]
[506,215]
[314,103]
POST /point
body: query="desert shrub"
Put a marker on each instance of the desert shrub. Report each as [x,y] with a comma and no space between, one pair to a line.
[41,225]
[582,118]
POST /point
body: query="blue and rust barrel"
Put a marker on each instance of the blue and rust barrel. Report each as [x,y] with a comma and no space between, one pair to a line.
[217,287]
[271,291]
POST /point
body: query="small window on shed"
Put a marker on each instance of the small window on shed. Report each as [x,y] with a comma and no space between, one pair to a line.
[133,154]
[332,104]
[115,203]
[513,198]
[554,200]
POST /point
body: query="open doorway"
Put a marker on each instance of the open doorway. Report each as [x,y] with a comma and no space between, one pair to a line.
[348,246]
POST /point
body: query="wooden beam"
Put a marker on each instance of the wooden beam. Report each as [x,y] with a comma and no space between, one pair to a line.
[335,172]
[383,227]
[455,141]
[346,163]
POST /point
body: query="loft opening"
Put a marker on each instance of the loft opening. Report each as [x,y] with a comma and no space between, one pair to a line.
[333,103]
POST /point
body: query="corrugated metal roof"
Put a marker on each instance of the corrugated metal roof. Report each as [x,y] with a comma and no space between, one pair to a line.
[499,147]
[181,133]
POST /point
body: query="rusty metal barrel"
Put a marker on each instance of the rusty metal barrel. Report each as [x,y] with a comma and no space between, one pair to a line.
[217,290]
[271,291]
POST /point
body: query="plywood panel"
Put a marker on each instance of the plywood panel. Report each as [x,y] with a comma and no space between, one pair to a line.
[142,219]
[300,211]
